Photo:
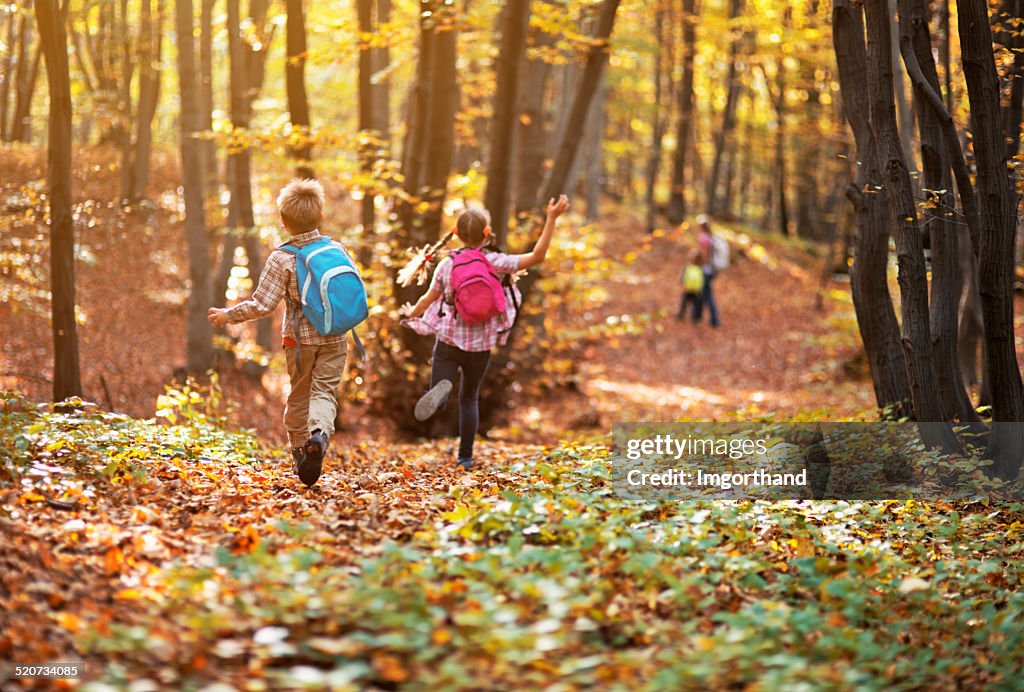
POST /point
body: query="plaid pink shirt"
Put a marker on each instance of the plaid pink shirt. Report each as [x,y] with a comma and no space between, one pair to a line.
[278,281]
[470,337]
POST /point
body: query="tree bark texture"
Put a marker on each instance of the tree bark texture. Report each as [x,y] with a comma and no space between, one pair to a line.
[995,252]
[53,39]
[515,20]
[876,318]
[915,40]
[684,127]
[199,338]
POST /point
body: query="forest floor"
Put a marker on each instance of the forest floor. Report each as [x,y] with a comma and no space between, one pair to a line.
[179,555]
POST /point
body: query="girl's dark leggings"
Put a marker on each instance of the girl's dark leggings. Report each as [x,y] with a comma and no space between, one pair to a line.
[448,360]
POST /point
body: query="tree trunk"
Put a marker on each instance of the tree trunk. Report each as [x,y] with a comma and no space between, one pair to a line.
[52,37]
[684,128]
[150,52]
[367,147]
[872,303]
[945,290]
[429,145]
[995,257]
[909,249]
[208,147]
[25,82]
[532,135]
[780,150]
[903,108]
[729,114]
[295,78]
[124,99]
[554,183]
[658,130]
[200,343]
[1014,10]
[246,81]
[6,73]
[515,20]
[381,60]
[440,140]
[592,160]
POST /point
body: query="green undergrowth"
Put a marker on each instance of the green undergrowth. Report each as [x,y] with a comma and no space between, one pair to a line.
[554,581]
[42,444]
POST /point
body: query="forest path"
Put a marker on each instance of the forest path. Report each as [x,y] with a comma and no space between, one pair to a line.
[774,351]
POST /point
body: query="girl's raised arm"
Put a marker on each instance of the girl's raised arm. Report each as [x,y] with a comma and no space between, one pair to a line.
[555,209]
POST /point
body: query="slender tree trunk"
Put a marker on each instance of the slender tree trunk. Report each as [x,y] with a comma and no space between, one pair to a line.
[1014,11]
[440,140]
[29,53]
[729,114]
[141,146]
[295,78]
[367,147]
[429,143]
[554,183]
[7,73]
[381,60]
[945,289]
[246,81]
[532,135]
[124,102]
[149,96]
[591,161]
[995,257]
[684,128]
[200,344]
[872,303]
[658,131]
[747,163]
[53,39]
[947,63]
[781,204]
[909,250]
[515,20]
[208,147]
[903,106]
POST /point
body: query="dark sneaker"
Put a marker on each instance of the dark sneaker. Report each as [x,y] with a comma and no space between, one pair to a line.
[313,458]
[432,400]
[298,454]
[466,464]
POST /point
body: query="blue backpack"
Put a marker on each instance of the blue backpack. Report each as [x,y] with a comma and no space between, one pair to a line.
[332,292]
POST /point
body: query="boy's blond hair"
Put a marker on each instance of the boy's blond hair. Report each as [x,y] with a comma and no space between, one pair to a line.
[301,203]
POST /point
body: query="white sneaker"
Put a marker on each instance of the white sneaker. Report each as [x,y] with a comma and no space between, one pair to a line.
[432,400]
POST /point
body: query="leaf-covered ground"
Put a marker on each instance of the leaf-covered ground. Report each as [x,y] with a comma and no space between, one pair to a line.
[172,557]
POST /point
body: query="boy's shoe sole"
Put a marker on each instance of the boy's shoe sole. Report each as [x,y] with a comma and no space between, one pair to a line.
[313,461]
[432,400]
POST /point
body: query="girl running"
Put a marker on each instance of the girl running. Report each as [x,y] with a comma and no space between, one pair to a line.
[469,311]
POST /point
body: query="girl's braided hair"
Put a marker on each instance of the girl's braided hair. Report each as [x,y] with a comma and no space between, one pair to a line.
[469,227]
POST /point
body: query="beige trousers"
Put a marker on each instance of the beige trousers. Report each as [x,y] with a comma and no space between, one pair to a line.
[312,403]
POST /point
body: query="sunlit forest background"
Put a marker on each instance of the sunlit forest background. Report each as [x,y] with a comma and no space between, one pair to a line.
[859,158]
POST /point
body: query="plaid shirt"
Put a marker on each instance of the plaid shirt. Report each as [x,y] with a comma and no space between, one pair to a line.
[278,281]
[470,337]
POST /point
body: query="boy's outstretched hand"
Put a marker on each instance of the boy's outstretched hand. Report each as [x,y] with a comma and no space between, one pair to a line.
[218,316]
[558,207]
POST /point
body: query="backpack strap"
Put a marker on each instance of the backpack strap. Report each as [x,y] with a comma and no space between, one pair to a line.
[507,281]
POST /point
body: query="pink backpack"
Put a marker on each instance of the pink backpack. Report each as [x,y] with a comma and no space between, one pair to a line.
[477,292]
